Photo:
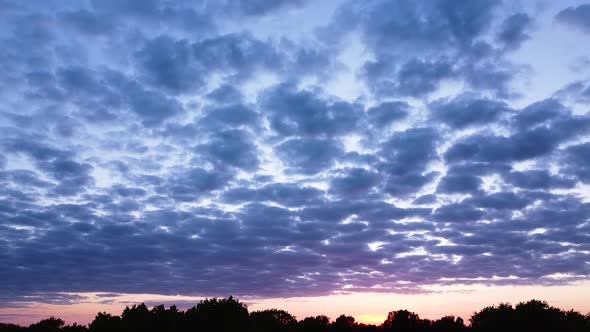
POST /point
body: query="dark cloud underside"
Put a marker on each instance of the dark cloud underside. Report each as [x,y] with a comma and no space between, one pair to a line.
[179,148]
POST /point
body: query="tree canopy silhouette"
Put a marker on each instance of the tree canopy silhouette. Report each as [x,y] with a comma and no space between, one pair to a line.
[272,320]
[232,315]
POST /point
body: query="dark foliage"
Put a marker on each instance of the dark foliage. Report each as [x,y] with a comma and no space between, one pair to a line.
[232,315]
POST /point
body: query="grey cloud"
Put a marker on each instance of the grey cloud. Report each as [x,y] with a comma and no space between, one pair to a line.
[514,30]
[86,22]
[452,184]
[387,113]
[309,155]
[577,17]
[168,63]
[501,201]
[458,212]
[305,113]
[409,151]
[190,184]
[257,7]
[288,194]
[466,110]
[232,115]
[440,41]
[522,145]
[402,185]
[540,112]
[233,148]
[425,199]
[576,161]
[353,182]
[160,124]
[578,91]
[538,179]
[181,66]
[414,78]
[153,107]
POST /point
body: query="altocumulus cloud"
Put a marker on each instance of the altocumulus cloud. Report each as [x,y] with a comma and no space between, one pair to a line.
[179,148]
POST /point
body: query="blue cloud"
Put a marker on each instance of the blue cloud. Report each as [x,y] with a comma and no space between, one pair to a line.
[309,155]
[576,17]
[388,112]
[458,183]
[140,137]
[464,111]
[514,30]
[304,113]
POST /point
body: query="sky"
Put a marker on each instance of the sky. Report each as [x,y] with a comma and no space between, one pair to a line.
[327,157]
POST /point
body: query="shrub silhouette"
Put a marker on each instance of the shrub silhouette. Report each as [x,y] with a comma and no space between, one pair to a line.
[232,315]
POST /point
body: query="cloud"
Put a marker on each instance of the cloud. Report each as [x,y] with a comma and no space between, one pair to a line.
[456,183]
[539,138]
[576,161]
[86,22]
[387,113]
[232,115]
[464,111]
[260,7]
[309,155]
[458,212]
[206,149]
[414,78]
[181,66]
[353,182]
[232,148]
[295,112]
[576,17]
[152,107]
[409,151]
[501,201]
[538,179]
[578,91]
[417,47]
[288,194]
[168,64]
[514,30]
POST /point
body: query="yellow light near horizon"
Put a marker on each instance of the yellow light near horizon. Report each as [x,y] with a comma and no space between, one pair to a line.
[368,308]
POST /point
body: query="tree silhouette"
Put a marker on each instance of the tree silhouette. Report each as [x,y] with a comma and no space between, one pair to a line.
[404,321]
[232,315]
[219,315]
[272,320]
[137,319]
[533,315]
[50,324]
[344,323]
[74,328]
[448,324]
[166,319]
[104,322]
[313,324]
[494,318]
[12,328]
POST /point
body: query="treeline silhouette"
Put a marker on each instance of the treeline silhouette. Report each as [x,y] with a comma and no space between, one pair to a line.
[220,315]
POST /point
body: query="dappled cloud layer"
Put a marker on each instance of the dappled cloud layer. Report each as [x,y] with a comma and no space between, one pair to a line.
[188,147]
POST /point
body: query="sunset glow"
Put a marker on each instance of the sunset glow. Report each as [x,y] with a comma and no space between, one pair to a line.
[320,157]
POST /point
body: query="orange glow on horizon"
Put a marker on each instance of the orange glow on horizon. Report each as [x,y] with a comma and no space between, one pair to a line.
[368,308]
